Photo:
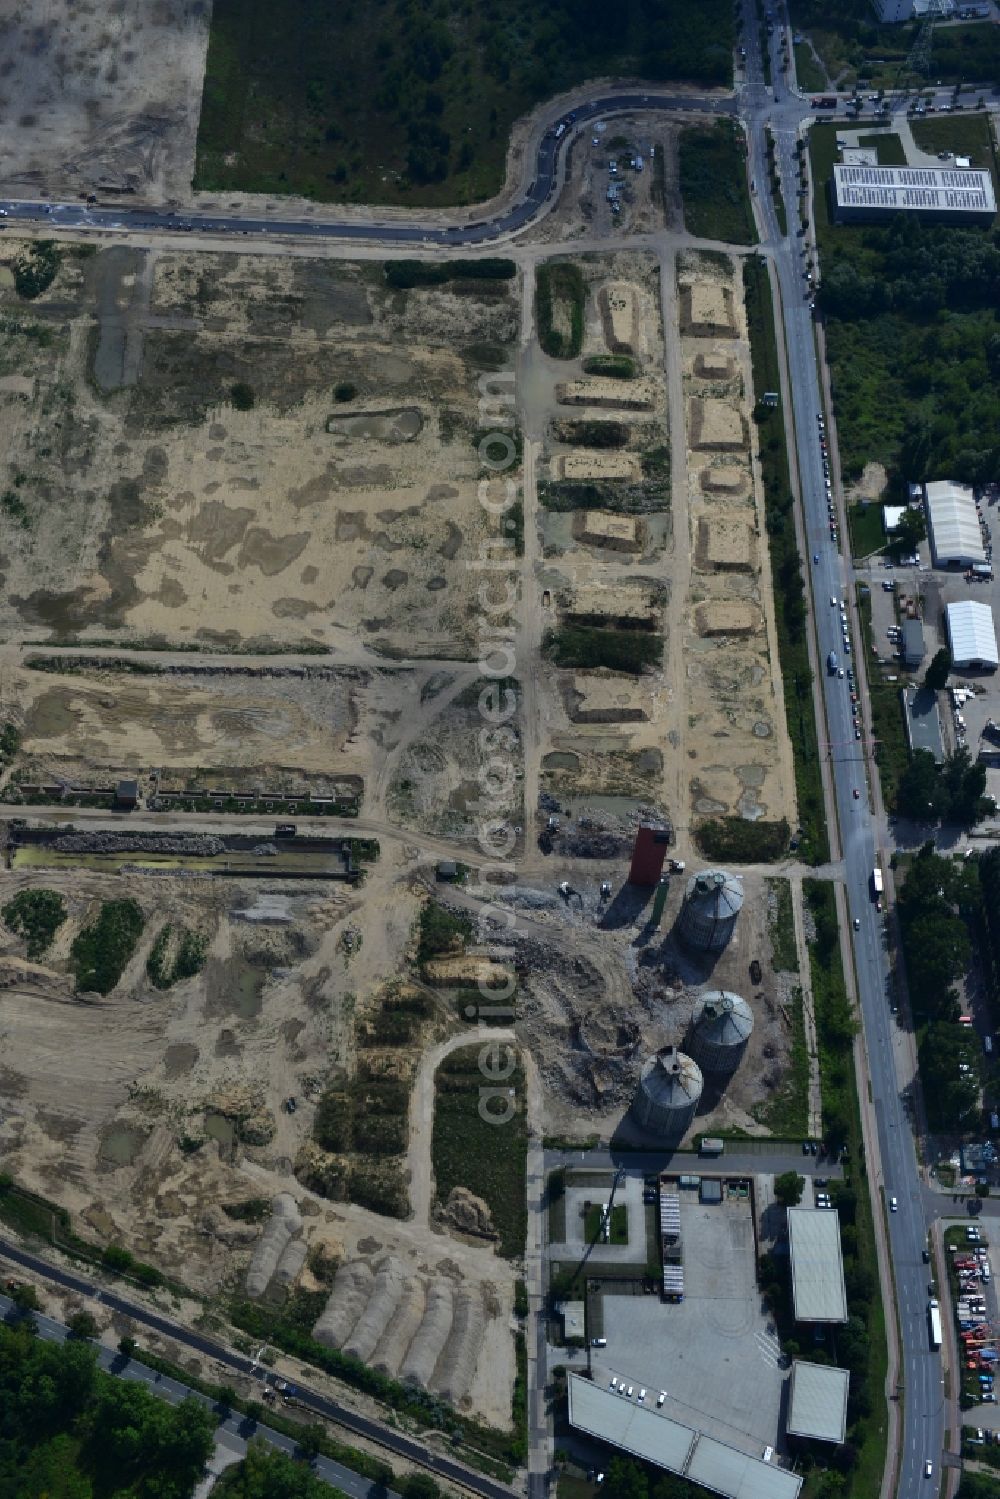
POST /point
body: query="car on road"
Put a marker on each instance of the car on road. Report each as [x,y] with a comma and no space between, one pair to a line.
[614,1381]
[840,673]
[857,924]
[928,1468]
[661,1397]
[833,601]
[856,794]
[893,1205]
[642,1395]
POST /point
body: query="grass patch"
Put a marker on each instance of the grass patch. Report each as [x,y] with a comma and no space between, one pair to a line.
[412,102]
[629,651]
[963,134]
[892,753]
[784,953]
[35,269]
[35,915]
[101,950]
[777,197]
[786,570]
[611,366]
[621,496]
[786,1113]
[403,274]
[864,522]
[618,1228]
[176,954]
[441,931]
[889,148]
[742,842]
[592,434]
[560,295]
[480,1137]
[713,183]
[810,75]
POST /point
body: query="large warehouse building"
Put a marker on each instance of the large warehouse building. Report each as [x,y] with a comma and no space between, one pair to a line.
[948,193]
[971,636]
[818,1290]
[655,1438]
[953,525]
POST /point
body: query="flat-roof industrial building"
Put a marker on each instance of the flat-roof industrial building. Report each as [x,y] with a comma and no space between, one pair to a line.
[945,192]
[953,524]
[648,1434]
[818,1290]
[817,1405]
[971,635]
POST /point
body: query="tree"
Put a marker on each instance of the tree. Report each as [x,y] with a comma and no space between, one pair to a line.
[421,1486]
[25,1297]
[242,396]
[936,675]
[83,1325]
[310,1442]
[626,1480]
[919,792]
[788,1188]
[911,531]
[127,1346]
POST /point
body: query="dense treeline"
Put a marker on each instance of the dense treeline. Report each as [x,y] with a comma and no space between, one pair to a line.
[69,1431]
[915,347]
[412,100]
[938,902]
[954,792]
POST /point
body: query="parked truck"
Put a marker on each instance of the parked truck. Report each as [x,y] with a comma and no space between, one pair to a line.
[934,1322]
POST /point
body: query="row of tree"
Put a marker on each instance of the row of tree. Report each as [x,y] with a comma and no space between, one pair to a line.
[954,792]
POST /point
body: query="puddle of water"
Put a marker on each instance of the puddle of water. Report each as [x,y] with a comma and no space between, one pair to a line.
[121,1143]
[218,1127]
[561,760]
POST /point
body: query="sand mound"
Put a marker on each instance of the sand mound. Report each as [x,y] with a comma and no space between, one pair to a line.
[619,316]
[722,617]
[724,478]
[598,466]
[594,698]
[631,395]
[725,544]
[716,426]
[599,528]
[707,310]
[714,366]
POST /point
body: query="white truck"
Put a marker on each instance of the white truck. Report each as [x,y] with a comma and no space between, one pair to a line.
[934,1322]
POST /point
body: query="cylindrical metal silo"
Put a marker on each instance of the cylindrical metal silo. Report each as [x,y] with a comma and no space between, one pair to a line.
[721,1026]
[712,902]
[669,1089]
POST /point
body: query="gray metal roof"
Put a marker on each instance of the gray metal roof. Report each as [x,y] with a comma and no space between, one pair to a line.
[726,1471]
[723,1018]
[818,1403]
[645,1433]
[648,1434]
[817,1265]
[672,1079]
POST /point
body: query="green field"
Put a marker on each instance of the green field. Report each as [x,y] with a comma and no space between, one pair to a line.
[412,101]
[713,184]
[475,1145]
[810,76]
[853,47]
[888,145]
[963,134]
[867,531]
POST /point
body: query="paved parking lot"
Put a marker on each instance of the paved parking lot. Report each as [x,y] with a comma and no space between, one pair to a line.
[715,1354]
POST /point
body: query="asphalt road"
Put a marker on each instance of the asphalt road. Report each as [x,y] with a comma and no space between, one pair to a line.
[393,1440]
[921,1374]
[80,215]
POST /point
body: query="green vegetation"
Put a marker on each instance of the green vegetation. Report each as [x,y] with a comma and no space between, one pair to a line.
[853,47]
[621,496]
[344,391]
[35,915]
[101,950]
[441,931]
[784,954]
[786,1112]
[169,961]
[786,569]
[978,1485]
[713,183]
[611,366]
[290,1327]
[788,1188]
[409,273]
[911,337]
[617,1230]
[14,508]
[741,841]
[963,135]
[888,145]
[69,1430]
[951,793]
[266,1474]
[480,1136]
[774,179]
[861,1345]
[413,102]
[939,902]
[809,74]
[593,434]
[35,269]
[891,751]
[560,295]
[629,651]
[242,396]
[36,1218]
[867,532]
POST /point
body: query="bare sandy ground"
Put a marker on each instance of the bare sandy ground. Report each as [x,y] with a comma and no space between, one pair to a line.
[99,96]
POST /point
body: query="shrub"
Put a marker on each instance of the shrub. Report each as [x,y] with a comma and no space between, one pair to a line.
[35,915]
[345,391]
[611,366]
[35,270]
[101,950]
[560,281]
[743,842]
[629,651]
[242,396]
